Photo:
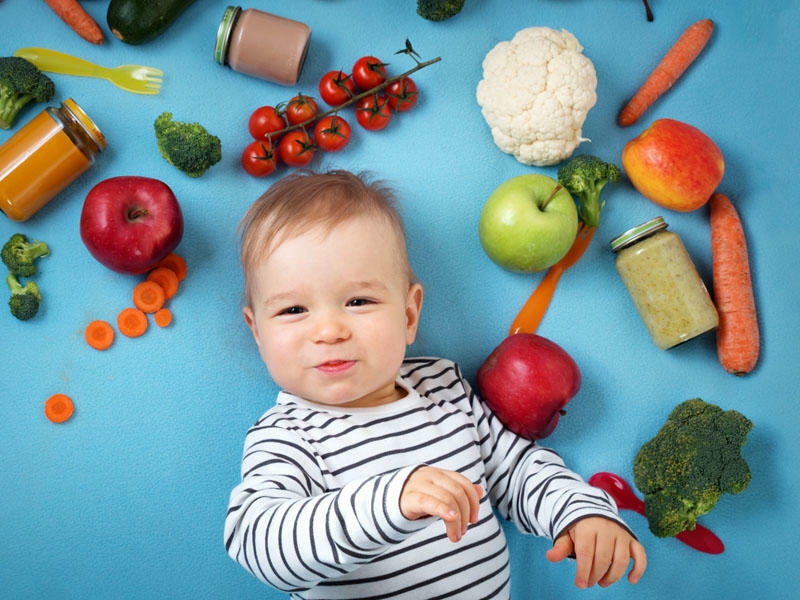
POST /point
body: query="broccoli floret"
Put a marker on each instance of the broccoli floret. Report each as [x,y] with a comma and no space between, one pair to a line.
[24,301]
[585,176]
[439,10]
[19,254]
[187,146]
[694,458]
[21,82]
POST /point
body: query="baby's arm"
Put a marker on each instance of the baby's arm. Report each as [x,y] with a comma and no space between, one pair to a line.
[603,550]
[434,492]
[284,525]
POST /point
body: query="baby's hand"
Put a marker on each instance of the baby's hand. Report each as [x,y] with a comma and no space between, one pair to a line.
[603,549]
[430,491]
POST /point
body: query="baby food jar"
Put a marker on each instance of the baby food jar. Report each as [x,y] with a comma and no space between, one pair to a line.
[262,44]
[44,157]
[663,283]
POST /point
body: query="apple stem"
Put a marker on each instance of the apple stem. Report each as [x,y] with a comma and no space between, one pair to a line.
[137,213]
[556,189]
[648,12]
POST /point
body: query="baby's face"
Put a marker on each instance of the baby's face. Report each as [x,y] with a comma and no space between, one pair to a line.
[332,315]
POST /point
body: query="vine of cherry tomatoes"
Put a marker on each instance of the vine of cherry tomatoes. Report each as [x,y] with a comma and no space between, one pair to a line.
[291,133]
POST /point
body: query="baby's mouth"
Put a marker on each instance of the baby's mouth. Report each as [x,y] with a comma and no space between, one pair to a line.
[335,366]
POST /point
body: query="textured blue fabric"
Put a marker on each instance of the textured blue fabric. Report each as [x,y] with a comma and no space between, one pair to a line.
[128,498]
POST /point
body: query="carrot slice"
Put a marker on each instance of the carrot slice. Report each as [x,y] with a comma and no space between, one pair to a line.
[132,322]
[163,317]
[148,296]
[99,335]
[58,408]
[166,278]
[174,262]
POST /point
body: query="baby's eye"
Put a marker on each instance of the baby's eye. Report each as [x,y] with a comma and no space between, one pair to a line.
[359,302]
[292,310]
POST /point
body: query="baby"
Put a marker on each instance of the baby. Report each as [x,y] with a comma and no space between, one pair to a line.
[375,475]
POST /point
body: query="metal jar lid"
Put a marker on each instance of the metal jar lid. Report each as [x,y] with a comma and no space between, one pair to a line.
[87,128]
[637,233]
[224,33]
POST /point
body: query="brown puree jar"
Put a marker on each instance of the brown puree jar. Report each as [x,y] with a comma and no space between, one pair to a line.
[262,44]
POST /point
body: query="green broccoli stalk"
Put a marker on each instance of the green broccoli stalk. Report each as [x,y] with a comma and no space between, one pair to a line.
[19,254]
[24,301]
[21,82]
[694,458]
[585,176]
[439,10]
[187,146]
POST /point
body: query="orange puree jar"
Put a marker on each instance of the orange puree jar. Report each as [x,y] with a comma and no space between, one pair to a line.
[44,157]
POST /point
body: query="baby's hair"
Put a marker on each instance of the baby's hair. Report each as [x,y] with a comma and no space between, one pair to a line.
[305,200]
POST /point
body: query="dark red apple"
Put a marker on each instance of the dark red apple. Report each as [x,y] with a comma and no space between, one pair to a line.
[526,381]
[129,223]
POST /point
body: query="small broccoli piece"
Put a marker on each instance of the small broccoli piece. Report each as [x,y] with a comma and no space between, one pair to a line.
[19,254]
[21,82]
[694,458]
[585,176]
[187,146]
[24,301]
[439,10]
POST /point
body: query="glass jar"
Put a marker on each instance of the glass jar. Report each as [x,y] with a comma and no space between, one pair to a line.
[44,157]
[262,44]
[663,283]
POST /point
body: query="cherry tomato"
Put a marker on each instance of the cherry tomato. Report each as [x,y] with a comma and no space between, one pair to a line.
[336,88]
[260,158]
[373,112]
[332,133]
[402,94]
[296,148]
[301,108]
[264,121]
[369,72]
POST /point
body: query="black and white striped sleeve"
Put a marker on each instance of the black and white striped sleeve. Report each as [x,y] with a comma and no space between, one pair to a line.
[530,484]
[283,527]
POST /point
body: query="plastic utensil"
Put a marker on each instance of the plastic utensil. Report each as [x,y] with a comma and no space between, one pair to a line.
[132,78]
[699,538]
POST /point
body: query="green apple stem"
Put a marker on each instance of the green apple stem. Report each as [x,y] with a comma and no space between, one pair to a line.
[555,191]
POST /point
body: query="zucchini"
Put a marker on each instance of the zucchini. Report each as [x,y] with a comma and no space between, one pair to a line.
[139,21]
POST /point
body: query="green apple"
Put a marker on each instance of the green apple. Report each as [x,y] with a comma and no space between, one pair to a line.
[528,223]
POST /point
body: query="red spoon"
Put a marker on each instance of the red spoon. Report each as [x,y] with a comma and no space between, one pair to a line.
[699,538]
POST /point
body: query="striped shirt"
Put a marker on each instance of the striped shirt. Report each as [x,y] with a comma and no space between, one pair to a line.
[317,511]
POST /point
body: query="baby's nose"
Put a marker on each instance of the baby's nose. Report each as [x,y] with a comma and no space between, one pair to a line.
[331,328]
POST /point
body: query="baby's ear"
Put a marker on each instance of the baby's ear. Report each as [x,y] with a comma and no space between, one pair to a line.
[250,319]
[413,309]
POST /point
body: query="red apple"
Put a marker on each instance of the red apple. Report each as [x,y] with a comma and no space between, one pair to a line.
[129,223]
[674,164]
[526,381]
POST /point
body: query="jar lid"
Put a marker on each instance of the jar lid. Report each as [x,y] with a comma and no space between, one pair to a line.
[635,234]
[224,33]
[88,126]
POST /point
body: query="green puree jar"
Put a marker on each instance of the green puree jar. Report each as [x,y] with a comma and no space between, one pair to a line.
[663,283]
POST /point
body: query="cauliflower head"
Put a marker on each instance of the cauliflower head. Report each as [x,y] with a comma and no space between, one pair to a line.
[535,94]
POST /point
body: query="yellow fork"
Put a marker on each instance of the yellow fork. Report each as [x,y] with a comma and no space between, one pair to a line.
[132,78]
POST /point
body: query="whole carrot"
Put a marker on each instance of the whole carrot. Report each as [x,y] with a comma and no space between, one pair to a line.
[737,335]
[677,59]
[74,15]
